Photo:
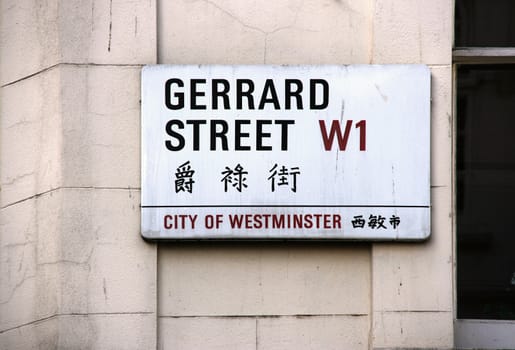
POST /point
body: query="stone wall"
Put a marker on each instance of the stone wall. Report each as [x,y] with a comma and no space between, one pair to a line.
[74,272]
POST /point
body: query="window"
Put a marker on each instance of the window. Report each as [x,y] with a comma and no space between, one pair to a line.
[485,173]
[485,162]
[484,23]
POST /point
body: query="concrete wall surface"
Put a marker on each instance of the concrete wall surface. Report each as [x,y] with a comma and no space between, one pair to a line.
[74,272]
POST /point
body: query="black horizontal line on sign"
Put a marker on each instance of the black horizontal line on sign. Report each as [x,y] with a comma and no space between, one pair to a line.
[284,206]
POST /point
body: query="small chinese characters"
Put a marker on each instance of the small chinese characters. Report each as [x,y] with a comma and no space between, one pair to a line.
[184,178]
[282,176]
[375,222]
[235,178]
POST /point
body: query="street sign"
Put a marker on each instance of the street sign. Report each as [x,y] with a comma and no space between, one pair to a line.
[285,152]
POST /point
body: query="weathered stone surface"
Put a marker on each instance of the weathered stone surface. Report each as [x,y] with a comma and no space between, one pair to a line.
[108,32]
[317,332]
[29,289]
[261,279]
[105,265]
[35,36]
[29,37]
[207,333]
[282,32]
[418,276]
[42,334]
[411,31]
[409,330]
[127,331]
[108,331]
[30,137]
[101,122]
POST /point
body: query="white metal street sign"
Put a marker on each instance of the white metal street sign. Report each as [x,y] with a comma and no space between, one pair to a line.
[285,152]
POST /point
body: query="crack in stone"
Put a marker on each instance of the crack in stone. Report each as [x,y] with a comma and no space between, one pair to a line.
[11,181]
[110,24]
[265,48]
[264,32]
[68,188]
[104,145]
[133,109]
[129,313]
[21,123]
[234,17]
[17,286]
[92,15]
[104,287]
[15,245]
[73,64]
[86,262]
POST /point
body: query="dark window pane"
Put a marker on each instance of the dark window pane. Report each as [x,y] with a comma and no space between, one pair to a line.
[486,192]
[485,23]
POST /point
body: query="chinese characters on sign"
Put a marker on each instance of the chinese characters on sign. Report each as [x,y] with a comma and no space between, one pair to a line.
[285,152]
[375,221]
[236,178]
[280,176]
[184,178]
[283,176]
